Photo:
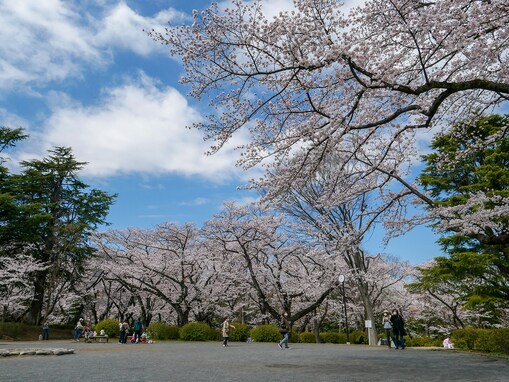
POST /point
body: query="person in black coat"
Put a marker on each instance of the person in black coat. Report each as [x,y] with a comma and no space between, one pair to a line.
[398,329]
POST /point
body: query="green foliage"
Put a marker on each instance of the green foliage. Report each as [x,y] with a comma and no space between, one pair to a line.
[359,337]
[332,337]
[467,160]
[51,214]
[493,340]
[9,137]
[265,333]
[294,336]
[240,332]
[465,338]
[419,341]
[307,338]
[163,331]
[197,331]
[488,340]
[110,326]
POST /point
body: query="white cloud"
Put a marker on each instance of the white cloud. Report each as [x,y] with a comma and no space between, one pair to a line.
[41,41]
[52,40]
[137,128]
[123,28]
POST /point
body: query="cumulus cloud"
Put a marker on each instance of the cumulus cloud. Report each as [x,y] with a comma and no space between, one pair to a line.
[123,28]
[138,127]
[53,40]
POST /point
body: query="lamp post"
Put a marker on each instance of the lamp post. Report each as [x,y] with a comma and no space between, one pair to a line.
[341,279]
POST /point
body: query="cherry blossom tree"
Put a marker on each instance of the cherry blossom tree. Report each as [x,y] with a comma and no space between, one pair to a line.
[16,284]
[164,262]
[308,80]
[284,273]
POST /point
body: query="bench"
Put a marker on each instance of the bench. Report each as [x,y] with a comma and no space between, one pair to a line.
[95,338]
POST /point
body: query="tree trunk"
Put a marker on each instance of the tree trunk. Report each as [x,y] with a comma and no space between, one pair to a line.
[33,315]
[368,308]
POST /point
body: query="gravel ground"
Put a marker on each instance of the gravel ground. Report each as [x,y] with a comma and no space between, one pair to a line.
[210,361]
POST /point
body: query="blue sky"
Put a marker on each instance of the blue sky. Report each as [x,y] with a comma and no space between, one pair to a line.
[84,74]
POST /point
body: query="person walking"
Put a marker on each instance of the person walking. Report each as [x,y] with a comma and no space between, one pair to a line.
[45,331]
[284,329]
[137,331]
[226,330]
[398,329]
[386,322]
[78,329]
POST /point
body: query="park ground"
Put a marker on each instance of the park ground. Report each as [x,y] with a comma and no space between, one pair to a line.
[210,361]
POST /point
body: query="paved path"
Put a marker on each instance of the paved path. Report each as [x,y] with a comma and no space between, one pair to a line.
[196,362]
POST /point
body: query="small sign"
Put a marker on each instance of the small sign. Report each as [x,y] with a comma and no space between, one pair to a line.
[367,323]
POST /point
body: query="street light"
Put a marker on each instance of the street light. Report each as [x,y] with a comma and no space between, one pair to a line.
[341,279]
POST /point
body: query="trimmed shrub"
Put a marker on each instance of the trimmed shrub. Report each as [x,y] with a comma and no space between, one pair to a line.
[418,341]
[110,326]
[307,338]
[342,338]
[493,340]
[163,331]
[331,337]
[359,337]
[240,333]
[465,338]
[197,331]
[294,337]
[436,342]
[265,333]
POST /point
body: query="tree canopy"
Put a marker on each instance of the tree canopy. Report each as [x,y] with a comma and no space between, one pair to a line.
[468,177]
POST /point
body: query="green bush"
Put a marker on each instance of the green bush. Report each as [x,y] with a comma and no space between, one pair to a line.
[418,341]
[294,337]
[240,333]
[436,342]
[359,337]
[307,338]
[197,331]
[163,331]
[265,333]
[110,326]
[465,338]
[331,337]
[493,340]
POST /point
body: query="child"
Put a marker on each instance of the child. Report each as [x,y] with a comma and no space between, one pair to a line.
[448,344]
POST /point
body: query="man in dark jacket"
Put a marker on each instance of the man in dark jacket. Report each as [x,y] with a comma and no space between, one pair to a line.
[398,328]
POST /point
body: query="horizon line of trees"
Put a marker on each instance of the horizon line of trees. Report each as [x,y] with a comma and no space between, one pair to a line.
[255,261]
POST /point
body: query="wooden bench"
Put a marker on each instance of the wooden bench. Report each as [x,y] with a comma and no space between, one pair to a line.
[95,338]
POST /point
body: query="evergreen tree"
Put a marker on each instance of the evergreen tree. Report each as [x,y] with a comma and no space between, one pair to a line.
[54,215]
[468,176]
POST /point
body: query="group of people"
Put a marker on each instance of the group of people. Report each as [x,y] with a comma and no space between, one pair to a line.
[394,324]
[137,336]
[82,328]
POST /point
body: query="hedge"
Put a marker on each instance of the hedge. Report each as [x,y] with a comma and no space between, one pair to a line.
[240,333]
[307,338]
[265,333]
[488,340]
[163,331]
[197,331]
[110,326]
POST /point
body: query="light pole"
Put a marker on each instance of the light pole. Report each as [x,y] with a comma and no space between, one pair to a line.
[341,279]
